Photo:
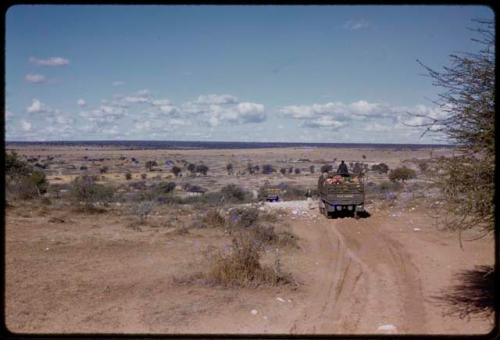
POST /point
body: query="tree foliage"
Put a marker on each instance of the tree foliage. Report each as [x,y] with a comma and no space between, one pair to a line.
[468,102]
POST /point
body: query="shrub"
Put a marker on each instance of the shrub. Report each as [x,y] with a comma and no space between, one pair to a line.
[128,176]
[202,169]
[150,164]
[297,171]
[191,167]
[84,189]
[213,219]
[233,193]
[144,176]
[358,168]
[241,267]
[176,170]
[283,171]
[311,169]
[22,179]
[165,187]
[250,168]
[290,170]
[402,174]
[15,166]
[423,166]
[381,168]
[267,169]
[83,167]
[143,209]
[243,217]
[326,168]
[39,181]
[103,169]
[229,168]
[364,156]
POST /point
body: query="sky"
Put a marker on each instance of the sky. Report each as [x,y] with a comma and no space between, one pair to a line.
[341,74]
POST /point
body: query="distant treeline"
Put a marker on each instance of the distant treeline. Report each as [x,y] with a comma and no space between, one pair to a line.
[221,145]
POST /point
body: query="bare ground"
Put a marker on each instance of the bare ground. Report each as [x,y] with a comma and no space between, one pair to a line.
[367,276]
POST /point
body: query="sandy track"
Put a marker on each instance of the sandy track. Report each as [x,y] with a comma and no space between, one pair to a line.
[364,279]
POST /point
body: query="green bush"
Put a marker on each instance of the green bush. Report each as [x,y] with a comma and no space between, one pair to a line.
[84,189]
[402,174]
[381,168]
[14,166]
[22,179]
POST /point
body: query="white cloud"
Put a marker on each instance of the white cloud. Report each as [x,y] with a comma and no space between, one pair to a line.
[37,107]
[217,99]
[377,127]
[53,61]
[161,102]
[8,115]
[139,97]
[81,102]
[323,121]
[35,78]
[353,25]
[118,83]
[104,114]
[25,125]
[250,112]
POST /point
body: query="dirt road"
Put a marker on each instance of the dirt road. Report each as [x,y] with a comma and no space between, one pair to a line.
[366,276]
[378,275]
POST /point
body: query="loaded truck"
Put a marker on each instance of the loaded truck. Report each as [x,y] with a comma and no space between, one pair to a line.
[341,194]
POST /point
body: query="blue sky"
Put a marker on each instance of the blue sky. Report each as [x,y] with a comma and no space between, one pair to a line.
[235,73]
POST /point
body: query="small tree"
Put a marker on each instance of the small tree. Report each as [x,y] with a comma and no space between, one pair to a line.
[402,174]
[176,171]
[467,182]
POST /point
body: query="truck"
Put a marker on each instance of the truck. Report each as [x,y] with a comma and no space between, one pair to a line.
[341,194]
[272,194]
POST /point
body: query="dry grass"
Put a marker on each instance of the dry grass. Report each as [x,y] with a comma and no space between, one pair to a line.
[241,266]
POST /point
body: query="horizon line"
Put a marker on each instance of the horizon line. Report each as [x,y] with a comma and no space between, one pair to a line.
[218,141]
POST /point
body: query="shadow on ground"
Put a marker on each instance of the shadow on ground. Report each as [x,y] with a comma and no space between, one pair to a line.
[472,296]
[348,214]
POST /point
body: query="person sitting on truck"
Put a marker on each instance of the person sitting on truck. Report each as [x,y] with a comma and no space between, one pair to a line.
[342,170]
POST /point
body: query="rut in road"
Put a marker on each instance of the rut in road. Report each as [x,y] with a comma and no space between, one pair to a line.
[364,279]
